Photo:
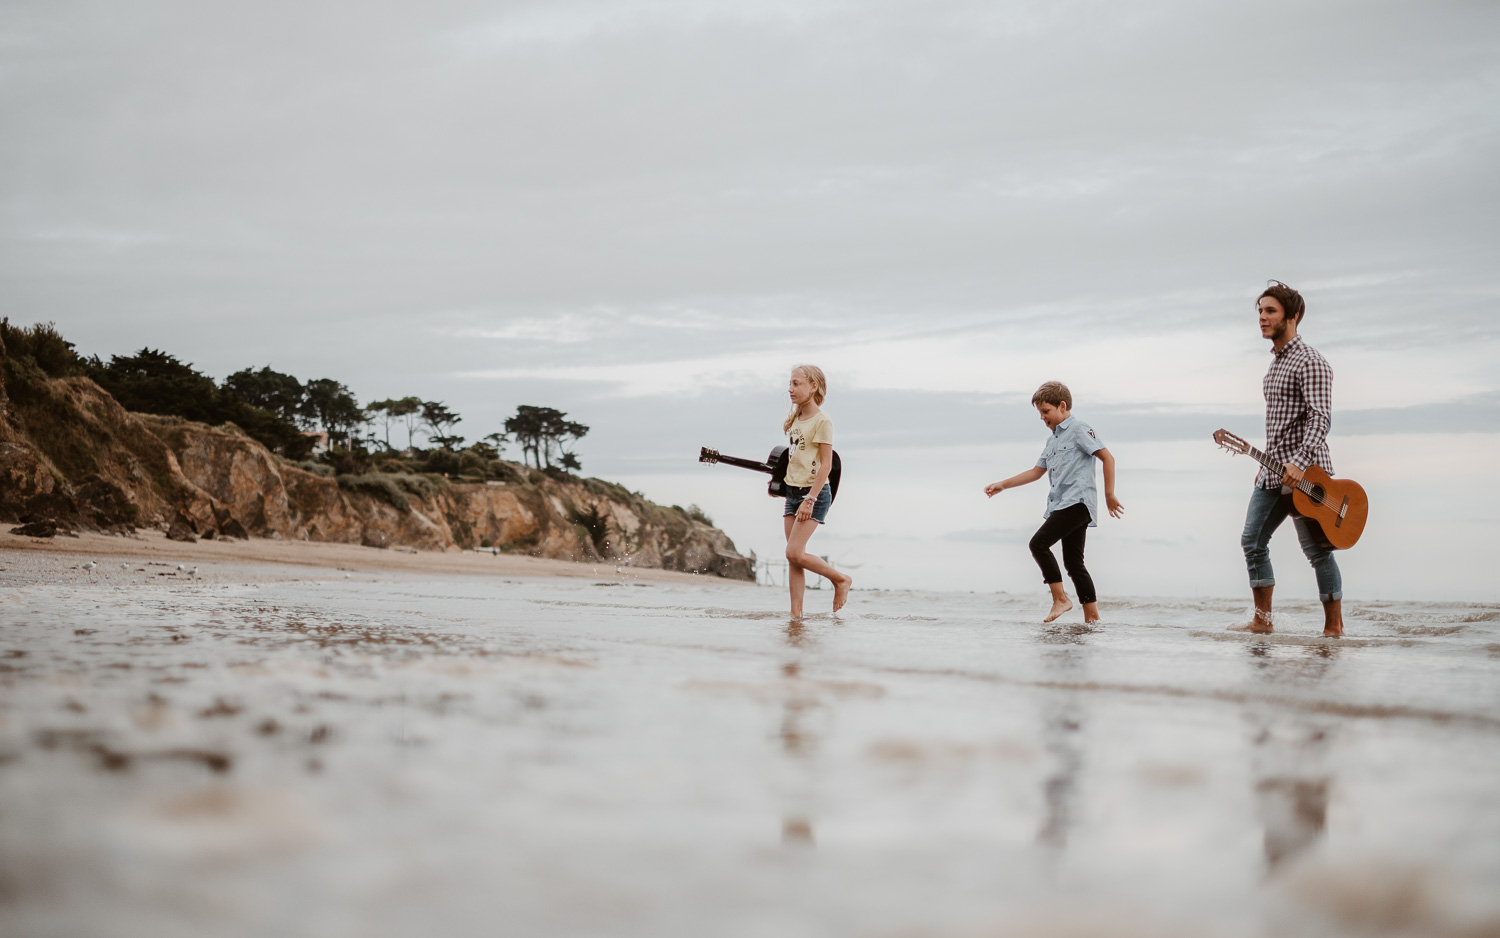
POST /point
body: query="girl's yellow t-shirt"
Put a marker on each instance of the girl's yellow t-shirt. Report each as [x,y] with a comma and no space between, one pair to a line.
[803,438]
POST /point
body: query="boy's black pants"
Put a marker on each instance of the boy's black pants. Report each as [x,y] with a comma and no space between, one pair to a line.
[1069,525]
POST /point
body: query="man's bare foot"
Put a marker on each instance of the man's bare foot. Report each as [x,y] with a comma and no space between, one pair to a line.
[1260,624]
[1090,613]
[841,592]
[1333,619]
[1059,606]
[1255,625]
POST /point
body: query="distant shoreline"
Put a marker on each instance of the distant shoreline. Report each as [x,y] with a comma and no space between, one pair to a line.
[150,545]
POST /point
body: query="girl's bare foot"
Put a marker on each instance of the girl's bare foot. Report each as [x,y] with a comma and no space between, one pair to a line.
[1059,606]
[841,592]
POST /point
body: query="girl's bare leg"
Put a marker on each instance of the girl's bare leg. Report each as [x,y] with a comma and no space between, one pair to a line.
[796,578]
[797,556]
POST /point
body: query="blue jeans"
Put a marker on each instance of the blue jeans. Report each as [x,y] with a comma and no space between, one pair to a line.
[1268,509]
[794,496]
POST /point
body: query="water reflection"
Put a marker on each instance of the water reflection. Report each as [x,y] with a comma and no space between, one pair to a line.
[1064,657]
[1289,756]
[799,743]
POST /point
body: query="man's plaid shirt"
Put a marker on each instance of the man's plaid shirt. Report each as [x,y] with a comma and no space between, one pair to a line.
[1299,408]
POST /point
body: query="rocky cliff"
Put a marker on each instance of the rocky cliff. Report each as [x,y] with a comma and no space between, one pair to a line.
[72,456]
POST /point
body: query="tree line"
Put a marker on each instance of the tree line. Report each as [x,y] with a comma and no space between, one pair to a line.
[285,413]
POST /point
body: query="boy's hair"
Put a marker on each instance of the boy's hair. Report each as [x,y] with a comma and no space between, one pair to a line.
[1054,393]
[1290,300]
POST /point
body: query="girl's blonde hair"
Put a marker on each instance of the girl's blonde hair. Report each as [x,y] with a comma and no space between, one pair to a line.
[813,374]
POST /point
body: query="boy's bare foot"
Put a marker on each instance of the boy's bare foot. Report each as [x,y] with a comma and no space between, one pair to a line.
[1333,631]
[1059,606]
[1090,613]
[841,592]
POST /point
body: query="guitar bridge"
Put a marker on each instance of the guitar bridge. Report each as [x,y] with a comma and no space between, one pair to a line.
[1343,509]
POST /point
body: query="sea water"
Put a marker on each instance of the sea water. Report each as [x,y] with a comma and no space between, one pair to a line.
[395,755]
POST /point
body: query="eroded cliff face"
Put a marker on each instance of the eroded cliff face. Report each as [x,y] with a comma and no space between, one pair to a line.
[69,453]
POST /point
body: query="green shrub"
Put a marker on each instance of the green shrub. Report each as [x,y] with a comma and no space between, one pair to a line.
[42,346]
[382,487]
[696,513]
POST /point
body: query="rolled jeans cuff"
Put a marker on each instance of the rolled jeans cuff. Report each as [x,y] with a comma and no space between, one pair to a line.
[1331,597]
[1258,584]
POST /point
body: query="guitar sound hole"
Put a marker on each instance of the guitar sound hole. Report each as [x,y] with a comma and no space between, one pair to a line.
[1317,494]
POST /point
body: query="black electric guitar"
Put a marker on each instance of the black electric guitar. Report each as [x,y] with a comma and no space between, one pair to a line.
[775,464]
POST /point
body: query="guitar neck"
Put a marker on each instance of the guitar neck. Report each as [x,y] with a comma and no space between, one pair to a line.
[752,464]
[1276,468]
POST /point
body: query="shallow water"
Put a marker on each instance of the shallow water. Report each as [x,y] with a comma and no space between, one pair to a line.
[399,755]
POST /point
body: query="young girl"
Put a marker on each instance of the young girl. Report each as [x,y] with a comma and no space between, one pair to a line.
[810,436]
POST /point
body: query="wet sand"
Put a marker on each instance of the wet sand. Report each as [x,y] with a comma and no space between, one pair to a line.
[275,749]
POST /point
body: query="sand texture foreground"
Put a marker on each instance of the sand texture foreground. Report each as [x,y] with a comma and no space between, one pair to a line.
[300,751]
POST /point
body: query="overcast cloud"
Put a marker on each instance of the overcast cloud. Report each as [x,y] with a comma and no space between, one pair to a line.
[644,212]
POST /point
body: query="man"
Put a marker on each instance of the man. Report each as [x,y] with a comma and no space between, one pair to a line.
[1299,402]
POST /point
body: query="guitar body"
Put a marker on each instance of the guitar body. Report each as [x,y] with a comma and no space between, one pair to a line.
[778,460]
[1339,506]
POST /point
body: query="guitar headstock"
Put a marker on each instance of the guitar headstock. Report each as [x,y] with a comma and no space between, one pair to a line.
[1231,442]
[708,455]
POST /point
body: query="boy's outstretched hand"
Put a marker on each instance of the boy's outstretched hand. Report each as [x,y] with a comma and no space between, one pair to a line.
[994,488]
[1116,510]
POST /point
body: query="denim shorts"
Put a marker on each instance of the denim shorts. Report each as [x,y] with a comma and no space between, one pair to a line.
[794,498]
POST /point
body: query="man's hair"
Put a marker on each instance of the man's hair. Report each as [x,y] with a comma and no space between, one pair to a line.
[1290,300]
[1054,393]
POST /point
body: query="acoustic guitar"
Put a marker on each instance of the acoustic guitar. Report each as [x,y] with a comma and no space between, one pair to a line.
[1339,506]
[775,464]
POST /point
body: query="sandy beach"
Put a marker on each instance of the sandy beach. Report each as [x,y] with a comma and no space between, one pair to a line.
[247,556]
[314,741]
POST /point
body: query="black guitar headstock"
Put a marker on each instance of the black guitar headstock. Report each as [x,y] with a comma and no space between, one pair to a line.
[708,455]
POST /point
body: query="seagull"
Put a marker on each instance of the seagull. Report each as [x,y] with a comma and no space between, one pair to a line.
[193,572]
[89,567]
[124,566]
[180,568]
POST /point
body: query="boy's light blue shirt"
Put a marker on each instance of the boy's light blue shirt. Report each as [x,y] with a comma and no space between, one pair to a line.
[1069,460]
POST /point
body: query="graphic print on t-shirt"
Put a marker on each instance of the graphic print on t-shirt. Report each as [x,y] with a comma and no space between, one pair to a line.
[798,441]
[804,437]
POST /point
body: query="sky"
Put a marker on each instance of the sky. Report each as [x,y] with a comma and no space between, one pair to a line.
[644,212]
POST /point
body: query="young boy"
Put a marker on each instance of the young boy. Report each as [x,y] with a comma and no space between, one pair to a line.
[1072,505]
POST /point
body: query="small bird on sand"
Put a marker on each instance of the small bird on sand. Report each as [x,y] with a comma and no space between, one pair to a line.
[193,572]
[89,567]
[124,566]
[180,568]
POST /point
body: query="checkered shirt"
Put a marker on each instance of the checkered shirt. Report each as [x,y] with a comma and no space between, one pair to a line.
[1299,408]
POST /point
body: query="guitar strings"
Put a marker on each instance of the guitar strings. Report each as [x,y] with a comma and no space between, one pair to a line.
[1304,486]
